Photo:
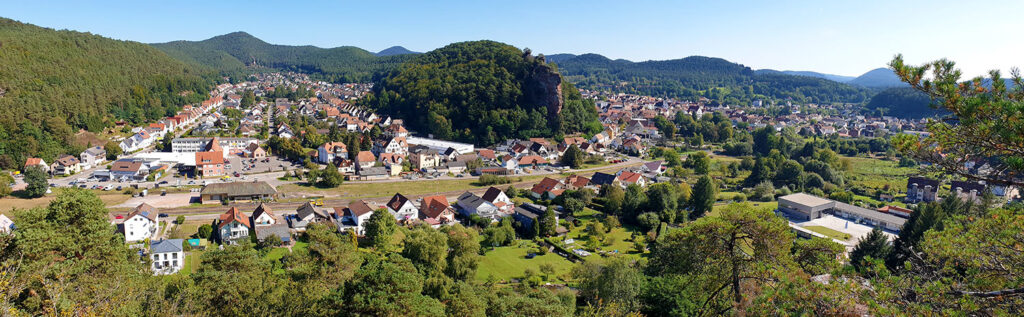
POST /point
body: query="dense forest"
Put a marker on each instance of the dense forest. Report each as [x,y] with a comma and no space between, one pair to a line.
[904,102]
[53,83]
[698,76]
[483,92]
[238,50]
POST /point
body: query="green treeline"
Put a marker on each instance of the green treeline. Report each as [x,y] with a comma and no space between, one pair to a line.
[53,83]
[697,76]
[482,92]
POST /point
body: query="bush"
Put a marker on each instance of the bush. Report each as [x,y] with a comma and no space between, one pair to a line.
[740,197]
[488,180]
[179,220]
[205,231]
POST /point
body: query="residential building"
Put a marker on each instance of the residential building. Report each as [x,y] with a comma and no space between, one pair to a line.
[627,178]
[967,191]
[168,256]
[307,214]
[327,152]
[141,223]
[36,162]
[397,145]
[92,157]
[402,208]
[66,165]
[365,159]
[547,188]
[471,204]
[422,158]
[920,189]
[435,211]
[233,226]
[498,198]
[127,169]
[354,217]
[209,164]
[600,179]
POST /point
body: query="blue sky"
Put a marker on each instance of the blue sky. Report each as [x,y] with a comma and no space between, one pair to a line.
[838,37]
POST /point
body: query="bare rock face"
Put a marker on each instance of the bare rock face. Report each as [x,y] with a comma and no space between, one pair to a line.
[545,89]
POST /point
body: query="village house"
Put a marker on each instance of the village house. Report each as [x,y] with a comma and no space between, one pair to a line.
[627,178]
[435,211]
[470,204]
[36,162]
[266,224]
[547,188]
[365,159]
[402,208]
[127,169]
[920,189]
[327,152]
[168,256]
[209,164]
[307,214]
[232,226]
[422,158]
[354,217]
[141,223]
[66,165]
[92,157]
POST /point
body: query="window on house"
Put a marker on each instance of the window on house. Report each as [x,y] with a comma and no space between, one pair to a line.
[174,255]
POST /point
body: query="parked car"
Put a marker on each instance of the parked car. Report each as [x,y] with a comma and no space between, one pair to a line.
[163,215]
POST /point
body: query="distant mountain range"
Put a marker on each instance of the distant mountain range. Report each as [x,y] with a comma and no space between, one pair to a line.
[699,76]
[235,51]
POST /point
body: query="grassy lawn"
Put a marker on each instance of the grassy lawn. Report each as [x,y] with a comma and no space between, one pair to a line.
[277,253]
[506,263]
[829,232]
[771,205]
[876,173]
[186,230]
[192,260]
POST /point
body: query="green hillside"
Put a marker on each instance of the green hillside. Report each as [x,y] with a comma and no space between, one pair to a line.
[483,92]
[235,51]
[53,83]
[699,76]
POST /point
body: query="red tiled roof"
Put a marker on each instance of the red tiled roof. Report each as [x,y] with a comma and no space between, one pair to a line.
[365,156]
[206,158]
[433,206]
[629,177]
[236,215]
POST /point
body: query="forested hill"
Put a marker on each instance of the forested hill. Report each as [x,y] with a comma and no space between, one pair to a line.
[395,50]
[234,51]
[878,77]
[53,83]
[483,92]
[699,76]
